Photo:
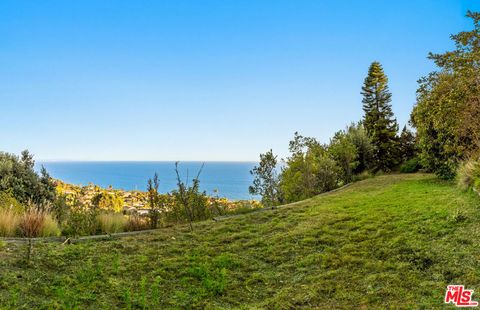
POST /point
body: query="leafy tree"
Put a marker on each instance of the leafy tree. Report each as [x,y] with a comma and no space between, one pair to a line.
[309,170]
[344,152]
[154,201]
[298,182]
[17,176]
[378,121]
[157,202]
[108,201]
[447,112]
[265,182]
[407,145]
[357,134]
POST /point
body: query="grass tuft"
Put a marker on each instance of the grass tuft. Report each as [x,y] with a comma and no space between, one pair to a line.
[50,227]
[468,175]
[135,223]
[32,223]
[110,223]
[9,221]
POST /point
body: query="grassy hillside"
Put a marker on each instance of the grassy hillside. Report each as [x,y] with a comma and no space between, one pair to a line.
[389,241]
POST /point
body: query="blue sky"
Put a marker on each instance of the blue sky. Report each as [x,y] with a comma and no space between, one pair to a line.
[203,80]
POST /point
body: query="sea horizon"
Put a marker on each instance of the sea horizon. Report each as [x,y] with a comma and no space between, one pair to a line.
[38,161]
[229,179]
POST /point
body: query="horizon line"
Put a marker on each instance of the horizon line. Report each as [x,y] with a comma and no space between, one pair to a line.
[145,161]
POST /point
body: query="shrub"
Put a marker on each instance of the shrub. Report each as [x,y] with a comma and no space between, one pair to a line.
[7,201]
[362,176]
[81,221]
[9,221]
[189,199]
[136,222]
[50,227]
[60,209]
[32,223]
[468,175]
[410,166]
[111,222]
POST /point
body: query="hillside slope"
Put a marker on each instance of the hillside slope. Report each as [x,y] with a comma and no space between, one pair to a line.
[394,240]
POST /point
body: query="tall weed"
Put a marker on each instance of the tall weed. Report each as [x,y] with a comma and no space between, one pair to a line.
[50,227]
[135,222]
[9,221]
[468,175]
[111,222]
[32,223]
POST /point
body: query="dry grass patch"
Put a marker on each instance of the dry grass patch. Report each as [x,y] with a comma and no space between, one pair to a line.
[111,222]
[9,221]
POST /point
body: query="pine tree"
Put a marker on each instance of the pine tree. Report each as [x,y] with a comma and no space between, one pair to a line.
[379,122]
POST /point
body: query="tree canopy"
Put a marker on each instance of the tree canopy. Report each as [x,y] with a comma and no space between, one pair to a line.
[18,177]
[447,112]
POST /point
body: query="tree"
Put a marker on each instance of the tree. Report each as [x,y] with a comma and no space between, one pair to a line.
[265,182]
[447,113]
[407,146]
[344,152]
[357,134]
[108,201]
[18,177]
[309,170]
[154,201]
[378,121]
[46,186]
[305,177]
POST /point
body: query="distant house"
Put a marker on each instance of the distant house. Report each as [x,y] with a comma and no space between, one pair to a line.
[132,210]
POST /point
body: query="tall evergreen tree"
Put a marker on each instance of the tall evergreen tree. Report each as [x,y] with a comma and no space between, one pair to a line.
[378,121]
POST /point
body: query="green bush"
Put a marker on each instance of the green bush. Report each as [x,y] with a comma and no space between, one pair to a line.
[7,201]
[468,175]
[410,166]
[81,222]
[362,176]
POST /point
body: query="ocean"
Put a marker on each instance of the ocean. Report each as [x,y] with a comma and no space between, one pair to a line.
[231,179]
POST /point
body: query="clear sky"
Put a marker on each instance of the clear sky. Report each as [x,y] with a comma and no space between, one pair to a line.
[204,80]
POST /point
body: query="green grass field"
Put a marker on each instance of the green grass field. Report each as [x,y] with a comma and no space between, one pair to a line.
[391,241]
